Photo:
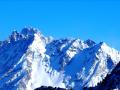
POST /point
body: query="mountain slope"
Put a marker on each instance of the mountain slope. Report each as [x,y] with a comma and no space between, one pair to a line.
[111,82]
[31,60]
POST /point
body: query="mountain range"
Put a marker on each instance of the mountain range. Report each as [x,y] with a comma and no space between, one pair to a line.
[29,60]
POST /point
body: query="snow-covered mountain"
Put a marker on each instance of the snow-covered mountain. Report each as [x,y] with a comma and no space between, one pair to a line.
[29,60]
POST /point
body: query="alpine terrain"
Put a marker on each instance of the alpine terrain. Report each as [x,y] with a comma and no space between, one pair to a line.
[29,60]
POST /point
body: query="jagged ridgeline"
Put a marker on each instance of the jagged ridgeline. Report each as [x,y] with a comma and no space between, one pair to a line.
[29,60]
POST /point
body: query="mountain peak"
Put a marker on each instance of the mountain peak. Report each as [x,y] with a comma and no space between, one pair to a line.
[14,36]
[106,47]
[30,31]
[25,33]
[90,42]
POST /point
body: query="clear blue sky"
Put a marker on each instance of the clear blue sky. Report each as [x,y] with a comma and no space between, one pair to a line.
[97,20]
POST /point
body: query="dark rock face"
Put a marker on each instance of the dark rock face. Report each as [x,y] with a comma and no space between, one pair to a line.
[49,88]
[112,81]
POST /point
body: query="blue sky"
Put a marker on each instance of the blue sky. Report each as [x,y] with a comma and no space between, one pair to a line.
[97,20]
